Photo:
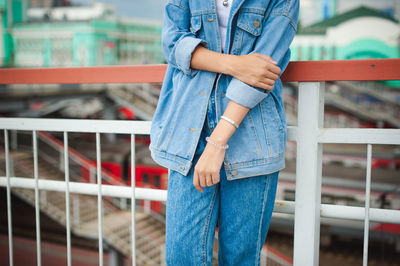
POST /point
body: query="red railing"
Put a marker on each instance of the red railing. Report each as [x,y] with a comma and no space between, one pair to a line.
[329,70]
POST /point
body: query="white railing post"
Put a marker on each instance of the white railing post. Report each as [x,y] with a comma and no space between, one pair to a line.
[9,217]
[308,173]
[133,200]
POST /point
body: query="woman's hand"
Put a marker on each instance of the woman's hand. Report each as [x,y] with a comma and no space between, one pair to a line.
[206,171]
[255,69]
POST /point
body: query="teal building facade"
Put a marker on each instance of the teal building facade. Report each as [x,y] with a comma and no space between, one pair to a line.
[108,40]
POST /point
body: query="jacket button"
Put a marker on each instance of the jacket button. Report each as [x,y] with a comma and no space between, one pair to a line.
[234,173]
[256,24]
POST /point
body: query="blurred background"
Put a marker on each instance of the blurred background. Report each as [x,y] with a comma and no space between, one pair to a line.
[77,33]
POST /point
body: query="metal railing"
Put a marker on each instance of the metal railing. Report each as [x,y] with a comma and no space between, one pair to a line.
[310,135]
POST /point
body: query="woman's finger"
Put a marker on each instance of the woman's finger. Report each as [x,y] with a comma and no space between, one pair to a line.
[215,179]
[202,180]
[275,69]
[267,58]
[196,181]
[267,81]
[209,181]
[271,75]
[264,86]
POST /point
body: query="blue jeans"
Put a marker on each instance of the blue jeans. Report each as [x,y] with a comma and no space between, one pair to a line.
[242,208]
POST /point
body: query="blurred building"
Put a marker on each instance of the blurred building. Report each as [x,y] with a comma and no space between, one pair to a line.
[359,33]
[49,3]
[50,35]
[356,34]
[313,11]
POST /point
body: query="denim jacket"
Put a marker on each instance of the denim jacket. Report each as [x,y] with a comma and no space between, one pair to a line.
[255,26]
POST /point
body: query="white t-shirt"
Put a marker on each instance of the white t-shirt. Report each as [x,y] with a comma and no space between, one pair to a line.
[223,17]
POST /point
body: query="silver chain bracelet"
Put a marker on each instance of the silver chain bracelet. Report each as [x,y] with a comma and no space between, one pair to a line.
[226,146]
[230,121]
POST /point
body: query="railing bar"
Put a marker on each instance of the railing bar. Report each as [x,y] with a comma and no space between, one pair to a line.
[76,125]
[99,199]
[133,202]
[367,200]
[67,198]
[281,206]
[107,176]
[359,136]
[9,218]
[37,207]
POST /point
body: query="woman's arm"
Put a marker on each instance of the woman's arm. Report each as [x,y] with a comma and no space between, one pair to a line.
[206,171]
[253,69]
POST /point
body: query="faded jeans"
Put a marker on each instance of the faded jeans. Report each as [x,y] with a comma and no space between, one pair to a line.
[242,208]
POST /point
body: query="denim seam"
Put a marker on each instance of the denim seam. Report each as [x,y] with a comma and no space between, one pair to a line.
[267,184]
[204,12]
[250,118]
[240,42]
[256,162]
[168,156]
[259,11]
[179,5]
[204,115]
[211,207]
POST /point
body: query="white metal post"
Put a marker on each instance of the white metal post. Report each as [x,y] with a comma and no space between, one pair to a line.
[99,199]
[367,200]
[9,217]
[37,205]
[67,198]
[308,173]
[133,202]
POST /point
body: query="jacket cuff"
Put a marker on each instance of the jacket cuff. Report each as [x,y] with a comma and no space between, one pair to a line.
[183,53]
[244,94]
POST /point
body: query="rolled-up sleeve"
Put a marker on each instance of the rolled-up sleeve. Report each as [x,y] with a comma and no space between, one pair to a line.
[277,34]
[178,41]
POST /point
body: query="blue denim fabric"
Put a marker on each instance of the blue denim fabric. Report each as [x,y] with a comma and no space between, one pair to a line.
[242,208]
[254,26]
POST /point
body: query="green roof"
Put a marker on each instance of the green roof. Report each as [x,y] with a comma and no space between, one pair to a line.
[320,27]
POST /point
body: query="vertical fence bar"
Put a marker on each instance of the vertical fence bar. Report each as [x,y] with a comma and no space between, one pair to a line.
[367,200]
[9,218]
[99,199]
[37,206]
[67,204]
[308,173]
[133,203]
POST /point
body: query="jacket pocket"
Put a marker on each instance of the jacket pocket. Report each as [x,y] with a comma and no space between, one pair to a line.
[273,126]
[249,27]
[196,26]
[250,22]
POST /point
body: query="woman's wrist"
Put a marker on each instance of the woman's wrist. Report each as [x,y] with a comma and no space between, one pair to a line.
[222,133]
[230,64]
